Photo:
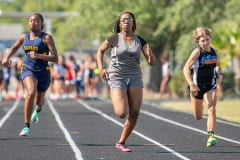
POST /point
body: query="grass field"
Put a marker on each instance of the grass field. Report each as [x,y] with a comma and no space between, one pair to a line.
[228,109]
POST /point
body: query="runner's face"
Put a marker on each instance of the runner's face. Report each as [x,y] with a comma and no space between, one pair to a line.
[204,42]
[126,22]
[35,23]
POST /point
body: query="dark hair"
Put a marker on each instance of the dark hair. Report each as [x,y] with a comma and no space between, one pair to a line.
[41,18]
[72,58]
[115,27]
[20,55]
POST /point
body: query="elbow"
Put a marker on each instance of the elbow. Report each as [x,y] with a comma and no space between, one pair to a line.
[151,60]
[151,63]
[184,70]
[100,52]
[55,59]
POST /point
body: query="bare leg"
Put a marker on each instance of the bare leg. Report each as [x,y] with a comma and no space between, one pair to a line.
[210,98]
[40,99]
[135,101]
[30,84]
[120,102]
[197,107]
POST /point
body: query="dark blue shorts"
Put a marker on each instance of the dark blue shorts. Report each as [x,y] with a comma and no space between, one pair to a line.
[204,89]
[43,78]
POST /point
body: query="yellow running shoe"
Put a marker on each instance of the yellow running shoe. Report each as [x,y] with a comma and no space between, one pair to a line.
[211,140]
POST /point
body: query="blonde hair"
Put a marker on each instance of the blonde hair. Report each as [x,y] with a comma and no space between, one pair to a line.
[200,32]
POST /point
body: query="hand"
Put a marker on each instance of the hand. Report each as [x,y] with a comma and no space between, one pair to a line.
[33,54]
[104,75]
[151,58]
[6,62]
[219,78]
[194,89]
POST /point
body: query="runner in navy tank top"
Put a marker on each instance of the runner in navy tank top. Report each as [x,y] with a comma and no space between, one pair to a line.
[39,48]
[202,71]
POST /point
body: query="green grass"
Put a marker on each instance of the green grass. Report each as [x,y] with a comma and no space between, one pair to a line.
[227,110]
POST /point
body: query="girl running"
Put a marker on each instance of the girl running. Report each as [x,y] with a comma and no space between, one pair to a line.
[39,48]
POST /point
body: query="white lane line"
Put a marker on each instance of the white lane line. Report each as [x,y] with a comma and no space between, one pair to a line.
[218,120]
[225,122]
[179,124]
[185,126]
[9,112]
[68,137]
[134,131]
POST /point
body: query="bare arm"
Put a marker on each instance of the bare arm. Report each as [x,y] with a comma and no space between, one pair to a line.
[187,67]
[219,71]
[149,56]
[12,50]
[187,71]
[53,57]
[100,53]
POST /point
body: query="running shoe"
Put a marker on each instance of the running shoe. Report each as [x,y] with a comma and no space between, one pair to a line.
[34,117]
[211,140]
[25,132]
[123,147]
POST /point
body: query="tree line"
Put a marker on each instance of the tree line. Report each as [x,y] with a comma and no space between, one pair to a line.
[166,24]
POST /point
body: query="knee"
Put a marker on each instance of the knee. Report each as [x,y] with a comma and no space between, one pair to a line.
[133,115]
[211,109]
[31,92]
[198,117]
[121,115]
[211,105]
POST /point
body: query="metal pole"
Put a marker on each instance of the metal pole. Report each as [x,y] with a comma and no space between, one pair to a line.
[48,16]
[48,23]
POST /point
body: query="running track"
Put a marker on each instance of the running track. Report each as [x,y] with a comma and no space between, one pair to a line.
[88,130]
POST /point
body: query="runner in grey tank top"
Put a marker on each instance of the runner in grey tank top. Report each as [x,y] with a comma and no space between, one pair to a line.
[125,58]
[125,77]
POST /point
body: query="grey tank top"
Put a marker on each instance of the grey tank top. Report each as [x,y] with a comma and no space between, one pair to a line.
[125,59]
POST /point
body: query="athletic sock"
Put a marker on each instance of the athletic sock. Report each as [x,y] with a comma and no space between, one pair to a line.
[27,124]
[38,109]
[210,133]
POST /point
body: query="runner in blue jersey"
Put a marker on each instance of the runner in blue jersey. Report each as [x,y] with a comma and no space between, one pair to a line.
[202,71]
[125,76]
[39,48]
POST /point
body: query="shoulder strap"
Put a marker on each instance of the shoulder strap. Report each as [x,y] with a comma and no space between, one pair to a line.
[27,34]
[143,42]
[42,34]
[213,50]
[113,40]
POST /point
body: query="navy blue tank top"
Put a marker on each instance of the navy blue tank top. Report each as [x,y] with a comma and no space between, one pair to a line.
[38,46]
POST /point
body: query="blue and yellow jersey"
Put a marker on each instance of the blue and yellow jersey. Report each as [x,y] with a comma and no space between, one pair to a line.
[38,46]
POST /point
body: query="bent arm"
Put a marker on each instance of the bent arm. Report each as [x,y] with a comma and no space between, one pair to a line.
[15,46]
[53,56]
[100,53]
[13,50]
[218,66]
[219,70]
[187,67]
[149,56]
